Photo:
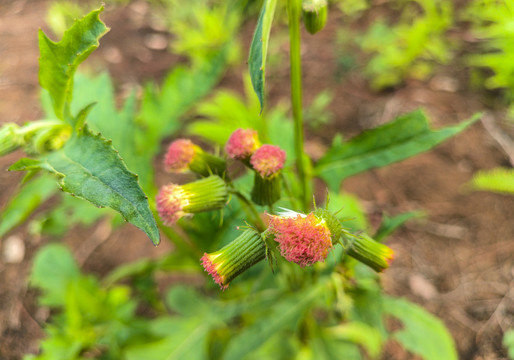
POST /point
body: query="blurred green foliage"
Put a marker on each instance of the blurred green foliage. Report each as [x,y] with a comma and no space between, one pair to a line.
[410,48]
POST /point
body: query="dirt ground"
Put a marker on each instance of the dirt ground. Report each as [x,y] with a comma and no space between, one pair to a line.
[457,263]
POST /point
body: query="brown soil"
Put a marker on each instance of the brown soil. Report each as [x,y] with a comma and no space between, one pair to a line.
[457,263]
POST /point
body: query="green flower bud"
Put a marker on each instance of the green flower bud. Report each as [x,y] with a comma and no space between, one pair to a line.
[314,15]
[175,201]
[370,252]
[235,258]
[10,139]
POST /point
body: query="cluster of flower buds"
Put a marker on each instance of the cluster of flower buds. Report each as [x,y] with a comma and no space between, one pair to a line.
[301,239]
[175,201]
[266,160]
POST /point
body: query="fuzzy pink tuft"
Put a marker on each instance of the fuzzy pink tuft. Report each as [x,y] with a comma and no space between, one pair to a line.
[242,144]
[180,154]
[169,203]
[212,269]
[302,240]
[268,160]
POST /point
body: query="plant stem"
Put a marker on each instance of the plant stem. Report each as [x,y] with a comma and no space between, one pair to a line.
[294,12]
[250,209]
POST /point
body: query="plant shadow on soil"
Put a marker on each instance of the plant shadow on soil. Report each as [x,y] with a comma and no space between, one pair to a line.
[457,263]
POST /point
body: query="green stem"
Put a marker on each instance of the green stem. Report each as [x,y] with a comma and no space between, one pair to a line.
[252,211]
[294,13]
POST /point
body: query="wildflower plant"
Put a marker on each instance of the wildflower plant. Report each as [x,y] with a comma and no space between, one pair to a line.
[323,294]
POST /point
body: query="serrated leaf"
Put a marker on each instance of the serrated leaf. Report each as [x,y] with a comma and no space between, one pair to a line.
[423,334]
[498,180]
[23,203]
[59,60]
[259,48]
[390,224]
[54,267]
[120,127]
[398,140]
[89,168]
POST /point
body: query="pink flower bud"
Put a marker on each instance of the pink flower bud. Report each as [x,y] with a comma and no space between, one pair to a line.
[302,239]
[209,264]
[175,201]
[170,203]
[180,154]
[242,144]
[268,160]
[236,257]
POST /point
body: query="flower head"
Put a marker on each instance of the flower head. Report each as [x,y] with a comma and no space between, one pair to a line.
[242,144]
[175,201]
[235,258]
[181,153]
[302,239]
[170,203]
[210,265]
[370,252]
[268,160]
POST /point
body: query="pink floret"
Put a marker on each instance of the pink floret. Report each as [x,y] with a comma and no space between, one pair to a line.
[302,240]
[268,160]
[169,203]
[211,268]
[242,144]
[180,154]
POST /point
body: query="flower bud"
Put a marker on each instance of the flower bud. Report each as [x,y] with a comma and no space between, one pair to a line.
[242,144]
[314,15]
[267,161]
[303,239]
[235,258]
[183,155]
[175,201]
[370,252]
[10,140]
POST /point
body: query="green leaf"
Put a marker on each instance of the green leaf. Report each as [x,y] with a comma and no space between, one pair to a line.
[350,209]
[26,164]
[54,268]
[390,224]
[359,333]
[186,339]
[398,140]
[28,198]
[117,125]
[89,168]
[498,180]
[259,49]
[508,342]
[328,348]
[59,60]
[67,214]
[423,334]
[284,314]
